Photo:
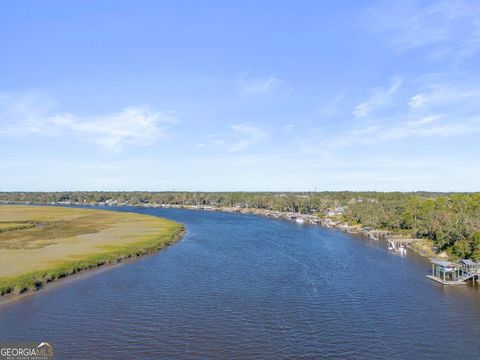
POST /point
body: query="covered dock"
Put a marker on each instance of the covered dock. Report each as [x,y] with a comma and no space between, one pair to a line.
[451,273]
[446,272]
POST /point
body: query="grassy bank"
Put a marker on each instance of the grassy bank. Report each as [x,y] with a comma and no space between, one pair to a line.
[41,244]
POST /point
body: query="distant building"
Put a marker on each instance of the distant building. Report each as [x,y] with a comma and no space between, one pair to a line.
[338,211]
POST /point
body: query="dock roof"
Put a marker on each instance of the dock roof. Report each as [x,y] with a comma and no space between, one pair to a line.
[468,262]
[443,263]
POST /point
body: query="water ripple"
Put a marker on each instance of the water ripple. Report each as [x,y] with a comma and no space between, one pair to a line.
[244,287]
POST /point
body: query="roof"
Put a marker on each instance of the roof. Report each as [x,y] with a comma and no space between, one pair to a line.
[468,262]
[443,263]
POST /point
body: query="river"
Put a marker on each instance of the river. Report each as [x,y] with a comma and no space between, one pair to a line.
[247,287]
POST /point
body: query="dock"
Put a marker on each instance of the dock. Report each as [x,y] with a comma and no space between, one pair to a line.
[446,282]
[451,273]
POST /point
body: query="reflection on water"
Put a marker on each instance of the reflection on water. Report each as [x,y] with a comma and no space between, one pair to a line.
[241,286]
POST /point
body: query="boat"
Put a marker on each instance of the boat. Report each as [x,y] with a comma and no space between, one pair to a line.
[299,221]
[402,250]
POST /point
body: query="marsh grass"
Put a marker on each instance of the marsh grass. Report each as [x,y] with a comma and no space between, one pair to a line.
[147,234]
[12,226]
[41,233]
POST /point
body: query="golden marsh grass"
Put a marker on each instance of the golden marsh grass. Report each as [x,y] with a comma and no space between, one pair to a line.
[39,244]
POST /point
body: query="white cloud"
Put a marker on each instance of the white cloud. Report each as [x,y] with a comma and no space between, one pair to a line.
[417,101]
[248,136]
[332,106]
[241,137]
[450,29]
[424,121]
[435,126]
[137,125]
[438,109]
[428,127]
[20,113]
[258,86]
[443,95]
[131,126]
[378,98]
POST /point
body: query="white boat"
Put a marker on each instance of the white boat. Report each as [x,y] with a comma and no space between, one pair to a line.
[402,250]
[299,221]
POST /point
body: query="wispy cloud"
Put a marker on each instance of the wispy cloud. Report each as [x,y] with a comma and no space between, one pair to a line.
[377,98]
[248,136]
[447,28]
[131,126]
[331,106]
[430,126]
[136,125]
[441,95]
[240,137]
[258,85]
[23,113]
[444,110]
[438,110]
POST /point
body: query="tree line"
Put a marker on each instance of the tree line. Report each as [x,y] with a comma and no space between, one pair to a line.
[450,220]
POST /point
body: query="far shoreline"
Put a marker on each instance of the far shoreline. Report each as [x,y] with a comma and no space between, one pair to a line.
[417,245]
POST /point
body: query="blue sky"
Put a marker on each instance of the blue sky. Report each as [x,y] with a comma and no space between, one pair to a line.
[245,95]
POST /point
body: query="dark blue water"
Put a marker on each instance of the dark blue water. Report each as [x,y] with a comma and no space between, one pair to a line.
[247,287]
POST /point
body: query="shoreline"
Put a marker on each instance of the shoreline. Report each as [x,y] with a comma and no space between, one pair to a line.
[415,244]
[11,297]
[373,234]
[31,282]
[419,246]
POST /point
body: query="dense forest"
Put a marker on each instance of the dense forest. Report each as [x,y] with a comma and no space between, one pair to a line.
[451,221]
